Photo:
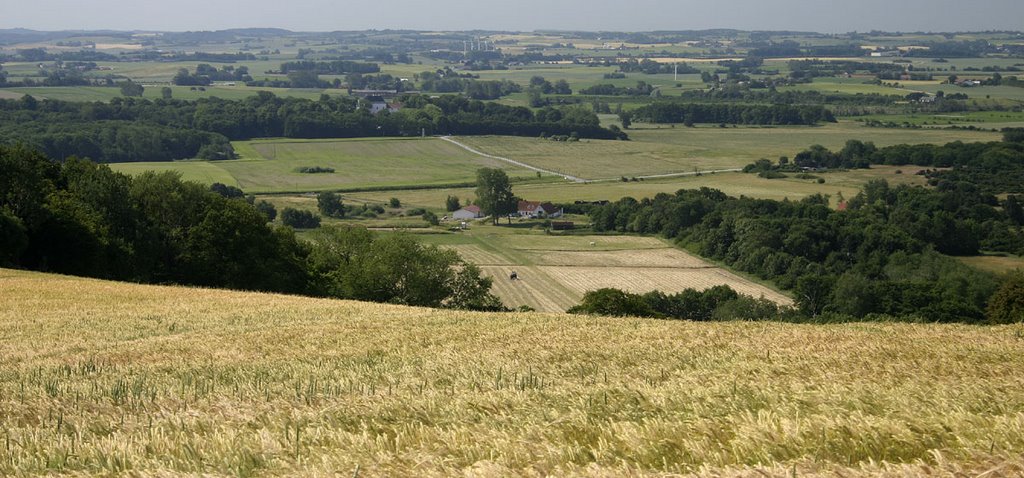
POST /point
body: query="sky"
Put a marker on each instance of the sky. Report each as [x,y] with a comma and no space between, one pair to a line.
[521,15]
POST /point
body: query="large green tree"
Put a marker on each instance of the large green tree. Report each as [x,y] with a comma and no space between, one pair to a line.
[494,193]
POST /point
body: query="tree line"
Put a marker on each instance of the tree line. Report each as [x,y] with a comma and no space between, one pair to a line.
[689,113]
[886,253]
[135,129]
[991,168]
[80,218]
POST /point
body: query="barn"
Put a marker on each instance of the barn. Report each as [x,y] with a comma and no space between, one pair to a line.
[468,212]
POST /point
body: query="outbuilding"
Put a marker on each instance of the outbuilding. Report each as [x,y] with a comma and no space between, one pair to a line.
[469,212]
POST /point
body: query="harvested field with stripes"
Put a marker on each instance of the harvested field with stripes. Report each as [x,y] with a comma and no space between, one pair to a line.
[555,271]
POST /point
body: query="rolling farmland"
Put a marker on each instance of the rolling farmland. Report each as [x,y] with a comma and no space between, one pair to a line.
[104,378]
[268,166]
[555,271]
[663,150]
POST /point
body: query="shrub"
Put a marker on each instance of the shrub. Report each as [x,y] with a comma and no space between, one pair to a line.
[1007,305]
[299,219]
[267,209]
[315,169]
[330,205]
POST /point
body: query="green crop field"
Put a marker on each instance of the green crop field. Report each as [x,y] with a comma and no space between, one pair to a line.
[272,165]
[847,183]
[104,378]
[656,150]
[206,172]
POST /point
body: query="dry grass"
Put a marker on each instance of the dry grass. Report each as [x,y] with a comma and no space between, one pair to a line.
[995,264]
[100,378]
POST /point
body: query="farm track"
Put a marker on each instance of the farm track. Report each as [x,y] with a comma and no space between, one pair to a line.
[579,179]
[512,161]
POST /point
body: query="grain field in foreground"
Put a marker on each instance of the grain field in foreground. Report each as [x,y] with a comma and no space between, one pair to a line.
[119,379]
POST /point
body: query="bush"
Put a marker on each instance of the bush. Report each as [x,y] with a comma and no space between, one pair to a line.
[13,238]
[267,209]
[612,302]
[299,219]
[330,205]
[226,191]
[315,169]
[394,203]
[1007,305]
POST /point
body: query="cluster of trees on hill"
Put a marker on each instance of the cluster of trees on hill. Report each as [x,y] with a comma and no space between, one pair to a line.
[749,94]
[133,129]
[887,253]
[809,69]
[81,218]
[641,89]
[689,113]
[881,256]
[993,168]
[954,49]
[651,67]
[336,67]
[439,82]
[206,74]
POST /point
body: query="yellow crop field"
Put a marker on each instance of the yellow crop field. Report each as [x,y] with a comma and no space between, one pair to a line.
[114,379]
[666,279]
[555,271]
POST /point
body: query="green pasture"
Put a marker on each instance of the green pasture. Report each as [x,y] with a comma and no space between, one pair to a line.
[206,172]
[989,119]
[847,184]
[655,150]
[268,166]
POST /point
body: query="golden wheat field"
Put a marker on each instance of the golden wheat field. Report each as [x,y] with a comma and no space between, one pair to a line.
[104,378]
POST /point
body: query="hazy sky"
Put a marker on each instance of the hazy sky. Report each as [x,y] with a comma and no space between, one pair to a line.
[625,15]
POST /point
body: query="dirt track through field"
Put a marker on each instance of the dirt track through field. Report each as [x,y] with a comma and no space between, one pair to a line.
[512,161]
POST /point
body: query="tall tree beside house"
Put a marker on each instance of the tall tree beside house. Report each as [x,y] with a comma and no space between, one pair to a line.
[494,193]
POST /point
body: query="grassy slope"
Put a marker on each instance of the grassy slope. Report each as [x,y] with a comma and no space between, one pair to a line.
[99,377]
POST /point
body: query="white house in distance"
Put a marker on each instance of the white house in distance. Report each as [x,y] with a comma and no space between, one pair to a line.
[536,209]
[469,212]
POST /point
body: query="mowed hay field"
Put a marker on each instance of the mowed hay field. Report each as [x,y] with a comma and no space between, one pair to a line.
[103,378]
[847,183]
[269,166]
[555,271]
[654,150]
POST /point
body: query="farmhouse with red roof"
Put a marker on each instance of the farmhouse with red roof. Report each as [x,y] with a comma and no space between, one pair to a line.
[536,209]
